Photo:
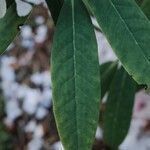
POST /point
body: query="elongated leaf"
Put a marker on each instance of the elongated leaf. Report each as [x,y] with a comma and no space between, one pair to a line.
[146,8]
[107,73]
[119,106]
[127,30]
[75,77]
[9,27]
[55,7]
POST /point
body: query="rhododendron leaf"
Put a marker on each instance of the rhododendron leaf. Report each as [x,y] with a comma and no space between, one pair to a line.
[128,32]
[9,27]
[75,77]
[118,109]
[55,7]
[107,73]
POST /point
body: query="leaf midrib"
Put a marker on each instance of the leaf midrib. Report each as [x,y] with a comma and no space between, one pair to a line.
[74,65]
[142,52]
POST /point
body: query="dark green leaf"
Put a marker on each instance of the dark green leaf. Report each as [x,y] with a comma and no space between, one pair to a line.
[55,7]
[139,2]
[128,32]
[119,107]
[75,77]
[107,73]
[9,27]
[146,8]
[9,2]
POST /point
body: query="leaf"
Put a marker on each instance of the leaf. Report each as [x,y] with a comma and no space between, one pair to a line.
[107,73]
[9,2]
[128,32]
[139,2]
[75,77]
[9,27]
[55,7]
[146,8]
[119,106]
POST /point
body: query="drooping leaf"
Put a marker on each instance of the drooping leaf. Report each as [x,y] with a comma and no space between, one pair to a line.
[107,73]
[128,32]
[119,107]
[146,8]
[9,27]
[55,7]
[75,77]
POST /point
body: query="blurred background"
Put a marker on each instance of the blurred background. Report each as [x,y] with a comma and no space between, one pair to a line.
[26,113]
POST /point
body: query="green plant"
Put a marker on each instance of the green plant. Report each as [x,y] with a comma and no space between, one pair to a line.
[75,66]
